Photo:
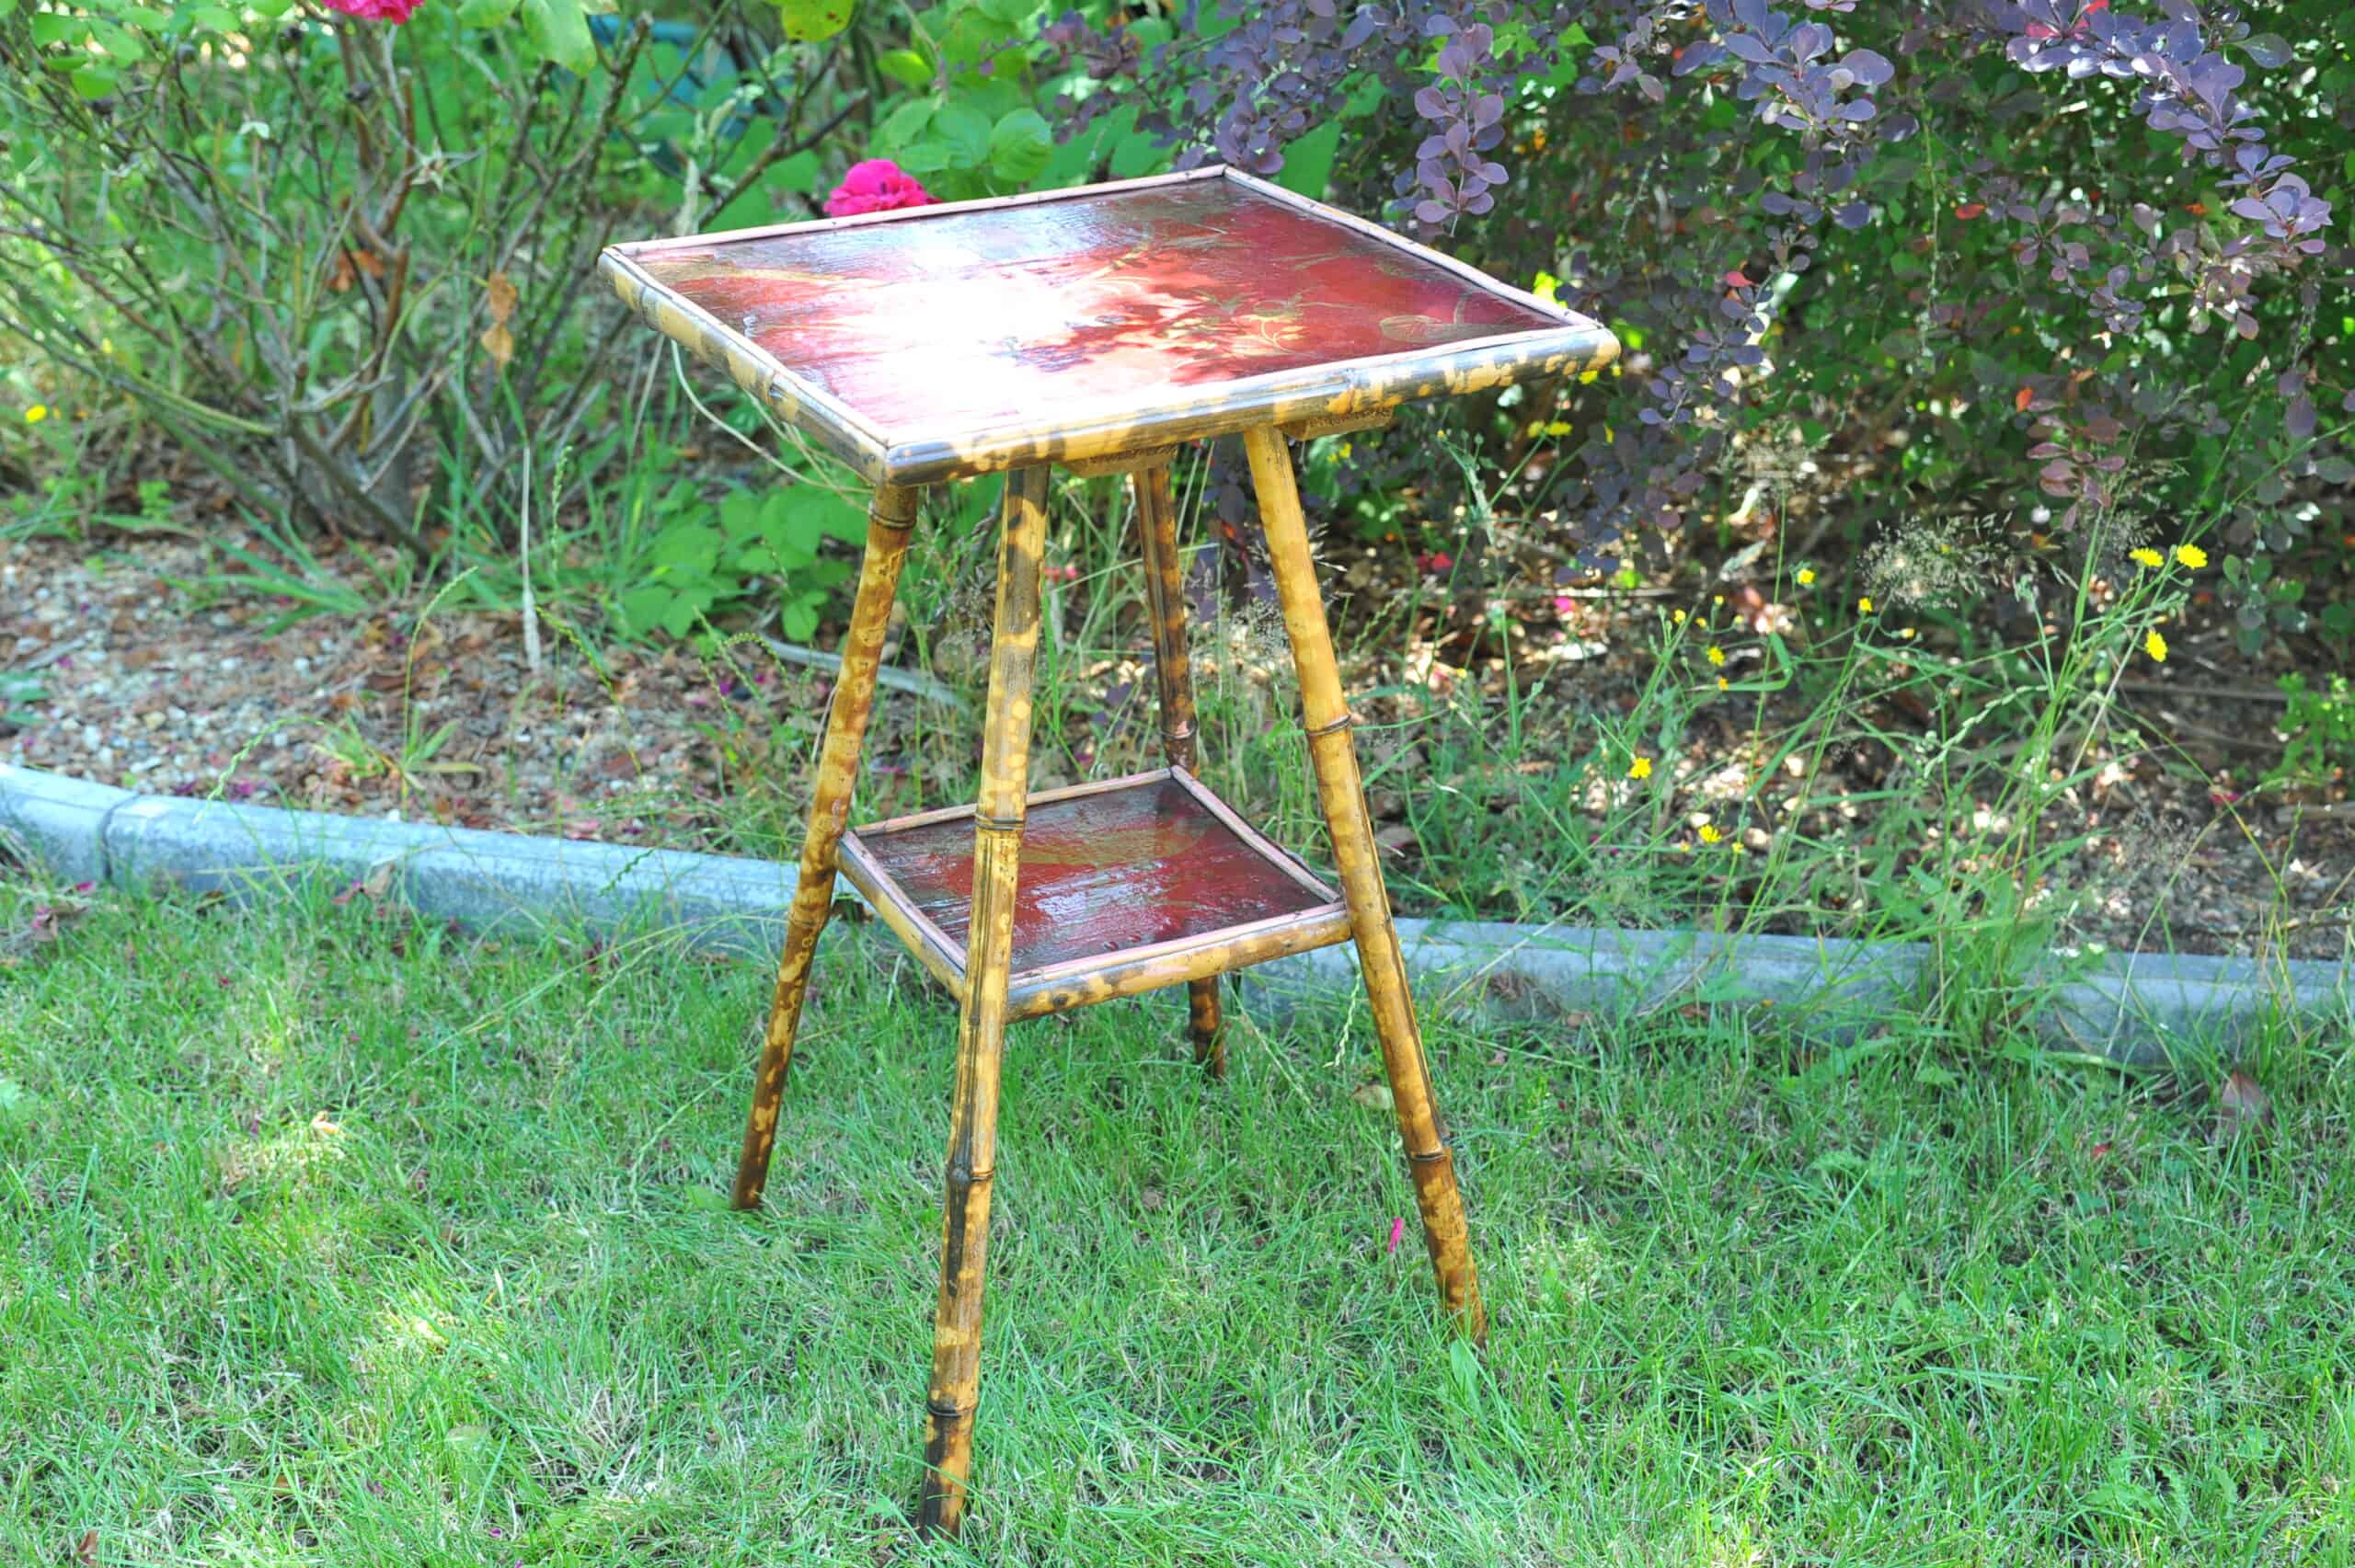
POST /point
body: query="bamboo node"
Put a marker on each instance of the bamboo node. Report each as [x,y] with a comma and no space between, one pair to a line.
[1435,1157]
[942,1409]
[1333,727]
[997,824]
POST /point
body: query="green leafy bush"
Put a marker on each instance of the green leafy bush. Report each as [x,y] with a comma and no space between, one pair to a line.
[348,264]
[694,571]
[2318,730]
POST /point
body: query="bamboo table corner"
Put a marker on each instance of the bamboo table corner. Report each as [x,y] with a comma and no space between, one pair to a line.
[1099,329]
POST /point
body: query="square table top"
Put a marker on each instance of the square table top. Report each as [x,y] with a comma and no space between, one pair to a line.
[933,342]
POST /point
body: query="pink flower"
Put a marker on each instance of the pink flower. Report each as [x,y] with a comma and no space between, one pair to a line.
[876,186]
[392,11]
[1435,560]
[1397,1234]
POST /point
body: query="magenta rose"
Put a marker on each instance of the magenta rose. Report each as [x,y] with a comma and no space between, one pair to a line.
[392,11]
[879,184]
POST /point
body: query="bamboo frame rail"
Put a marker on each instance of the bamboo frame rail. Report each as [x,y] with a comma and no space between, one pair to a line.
[1342,797]
[1164,585]
[888,523]
[980,1028]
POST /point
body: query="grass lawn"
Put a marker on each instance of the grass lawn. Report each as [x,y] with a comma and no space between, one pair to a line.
[329,1237]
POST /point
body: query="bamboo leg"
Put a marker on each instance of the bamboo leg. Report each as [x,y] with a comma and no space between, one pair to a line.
[1342,797]
[1164,583]
[889,521]
[981,1030]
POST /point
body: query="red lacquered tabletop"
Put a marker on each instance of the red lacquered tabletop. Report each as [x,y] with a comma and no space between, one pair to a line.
[938,341]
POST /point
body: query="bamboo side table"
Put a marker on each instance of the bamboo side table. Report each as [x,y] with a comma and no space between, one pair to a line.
[1098,328]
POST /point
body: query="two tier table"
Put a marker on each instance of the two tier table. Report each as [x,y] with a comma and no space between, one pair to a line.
[1098,328]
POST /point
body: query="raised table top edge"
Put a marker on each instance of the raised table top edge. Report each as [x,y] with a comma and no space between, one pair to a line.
[1279,397]
[1157,417]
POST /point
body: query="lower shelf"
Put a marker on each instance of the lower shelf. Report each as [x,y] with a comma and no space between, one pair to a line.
[1125,887]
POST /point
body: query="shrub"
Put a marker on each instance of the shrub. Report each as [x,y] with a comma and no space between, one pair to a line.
[2042,257]
[344,259]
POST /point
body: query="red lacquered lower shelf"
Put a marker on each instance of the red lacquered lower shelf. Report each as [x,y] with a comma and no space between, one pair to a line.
[1126,886]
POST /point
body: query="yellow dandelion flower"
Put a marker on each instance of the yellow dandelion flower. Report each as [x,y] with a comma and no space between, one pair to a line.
[1709,833]
[1641,768]
[2156,646]
[1679,617]
[36,413]
[1683,846]
[1718,657]
[1721,684]
[1807,575]
[1865,605]
[2146,556]
[2191,555]
[1907,634]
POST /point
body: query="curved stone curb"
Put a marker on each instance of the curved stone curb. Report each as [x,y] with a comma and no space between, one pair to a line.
[2138,1007]
[497,883]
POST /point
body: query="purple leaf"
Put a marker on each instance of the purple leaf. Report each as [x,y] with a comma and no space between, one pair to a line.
[1868,68]
[1696,55]
[2269,49]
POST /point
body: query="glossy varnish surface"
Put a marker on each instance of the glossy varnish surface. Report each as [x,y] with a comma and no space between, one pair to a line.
[1100,872]
[1042,314]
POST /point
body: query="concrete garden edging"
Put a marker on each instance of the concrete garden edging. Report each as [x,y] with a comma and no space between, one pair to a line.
[2133,1007]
